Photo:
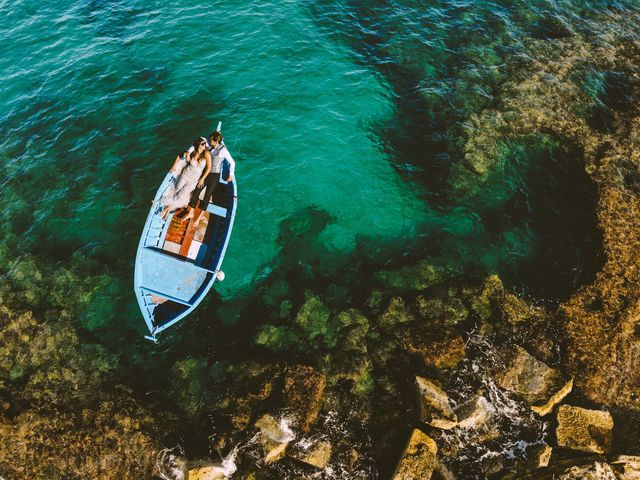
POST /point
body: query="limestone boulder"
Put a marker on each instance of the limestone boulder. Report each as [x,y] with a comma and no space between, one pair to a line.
[543,456]
[303,392]
[584,430]
[317,454]
[594,471]
[555,399]
[419,458]
[539,385]
[476,416]
[474,413]
[628,467]
[274,437]
[443,354]
[434,406]
[206,473]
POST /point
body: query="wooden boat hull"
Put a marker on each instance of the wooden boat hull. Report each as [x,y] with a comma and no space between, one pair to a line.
[177,263]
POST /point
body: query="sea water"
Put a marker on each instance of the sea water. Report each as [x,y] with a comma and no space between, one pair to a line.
[98,98]
[347,111]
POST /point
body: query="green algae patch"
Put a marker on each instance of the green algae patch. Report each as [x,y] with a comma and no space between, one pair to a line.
[484,305]
[355,330]
[419,276]
[189,386]
[448,310]
[397,313]
[315,320]
[278,338]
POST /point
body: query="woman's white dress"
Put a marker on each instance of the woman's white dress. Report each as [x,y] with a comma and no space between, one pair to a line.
[178,194]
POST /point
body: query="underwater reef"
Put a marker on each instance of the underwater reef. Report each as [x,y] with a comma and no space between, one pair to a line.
[403,365]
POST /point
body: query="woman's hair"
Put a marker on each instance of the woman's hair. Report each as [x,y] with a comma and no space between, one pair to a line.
[216,136]
[196,147]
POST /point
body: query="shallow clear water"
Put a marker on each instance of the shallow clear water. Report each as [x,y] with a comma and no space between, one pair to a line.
[104,95]
[322,105]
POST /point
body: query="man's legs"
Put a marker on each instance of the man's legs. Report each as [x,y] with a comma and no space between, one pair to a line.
[212,182]
[193,203]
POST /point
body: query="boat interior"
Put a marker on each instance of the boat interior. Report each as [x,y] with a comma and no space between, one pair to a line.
[191,251]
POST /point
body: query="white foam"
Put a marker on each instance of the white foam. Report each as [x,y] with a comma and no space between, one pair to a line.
[170,464]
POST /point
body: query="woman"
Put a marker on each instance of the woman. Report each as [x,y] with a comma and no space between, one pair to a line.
[193,174]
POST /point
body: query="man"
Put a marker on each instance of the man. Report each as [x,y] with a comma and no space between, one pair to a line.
[219,153]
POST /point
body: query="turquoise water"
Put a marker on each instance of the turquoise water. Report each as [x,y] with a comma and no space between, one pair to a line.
[106,97]
[316,105]
[348,123]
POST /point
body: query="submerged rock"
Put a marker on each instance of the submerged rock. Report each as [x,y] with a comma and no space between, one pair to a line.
[314,318]
[303,391]
[435,409]
[515,309]
[67,417]
[355,328]
[317,455]
[540,386]
[419,458]
[584,430]
[420,276]
[447,311]
[440,354]
[396,313]
[274,437]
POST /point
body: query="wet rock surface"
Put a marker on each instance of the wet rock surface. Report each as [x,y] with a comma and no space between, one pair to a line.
[274,437]
[418,459]
[537,384]
[317,454]
[584,430]
[206,473]
[303,391]
[434,404]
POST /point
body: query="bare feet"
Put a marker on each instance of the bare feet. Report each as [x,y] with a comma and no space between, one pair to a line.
[165,213]
[189,215]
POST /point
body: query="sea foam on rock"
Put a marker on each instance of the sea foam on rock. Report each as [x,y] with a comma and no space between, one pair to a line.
[434,405]
[274,437]
[318,454]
